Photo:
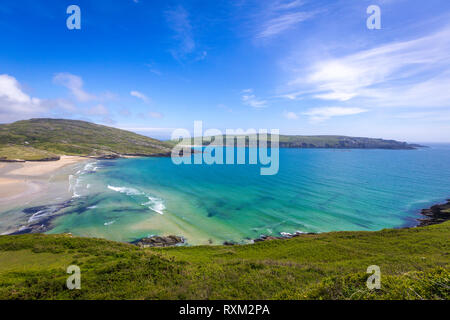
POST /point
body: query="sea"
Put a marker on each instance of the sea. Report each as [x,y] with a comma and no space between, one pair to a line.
[315,190]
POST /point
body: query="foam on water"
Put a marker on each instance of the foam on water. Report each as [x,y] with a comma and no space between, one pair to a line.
[155,204]
[126,190]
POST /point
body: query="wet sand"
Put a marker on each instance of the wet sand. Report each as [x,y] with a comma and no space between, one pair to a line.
[20,181]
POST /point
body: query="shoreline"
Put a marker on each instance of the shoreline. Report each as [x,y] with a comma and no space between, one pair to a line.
[23,185]
[436,214]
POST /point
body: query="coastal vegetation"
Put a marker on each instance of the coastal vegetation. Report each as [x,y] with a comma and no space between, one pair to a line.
[414,264]
[17,153]
[35,139]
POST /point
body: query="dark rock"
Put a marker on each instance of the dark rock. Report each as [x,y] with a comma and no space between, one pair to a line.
[111,156]
[438,213]
[283,236]
[159,241]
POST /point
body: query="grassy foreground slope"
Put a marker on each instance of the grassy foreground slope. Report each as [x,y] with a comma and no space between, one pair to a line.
[414,265]
[72,137]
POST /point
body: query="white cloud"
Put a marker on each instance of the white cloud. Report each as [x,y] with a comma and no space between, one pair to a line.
[399,74]
[290,115]
[75,85]
[140,95]
[322,114]
[16,104]
[249,99]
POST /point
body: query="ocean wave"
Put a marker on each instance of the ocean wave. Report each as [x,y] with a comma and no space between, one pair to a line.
[109,223]
[90,167]
[74,183]
[127,191]
[75,180]
[155,204]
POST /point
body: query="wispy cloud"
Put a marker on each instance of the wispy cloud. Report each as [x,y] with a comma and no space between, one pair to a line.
[282,23]
[322,114]
[178,20]
[283,5]
[280,16]
[412,73]
[249,99]
[140,96]
[152,69]
[75,85]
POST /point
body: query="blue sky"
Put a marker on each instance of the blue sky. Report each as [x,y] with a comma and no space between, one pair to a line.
[301,66]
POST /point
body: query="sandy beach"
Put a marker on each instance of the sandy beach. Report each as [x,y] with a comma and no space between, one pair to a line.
[19,181]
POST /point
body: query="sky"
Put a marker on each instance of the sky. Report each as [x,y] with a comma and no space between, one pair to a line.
[301,66]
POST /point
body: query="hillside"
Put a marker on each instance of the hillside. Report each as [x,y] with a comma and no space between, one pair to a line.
[334,142]
[414,264]
[46,138]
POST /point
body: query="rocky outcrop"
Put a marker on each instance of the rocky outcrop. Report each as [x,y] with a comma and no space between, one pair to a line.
[283,236]
[159,241]
[438,213]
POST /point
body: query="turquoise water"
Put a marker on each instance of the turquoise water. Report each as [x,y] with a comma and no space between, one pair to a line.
[315,190]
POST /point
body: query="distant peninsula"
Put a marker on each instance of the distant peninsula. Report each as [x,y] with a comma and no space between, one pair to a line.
[48,139]
[310,142]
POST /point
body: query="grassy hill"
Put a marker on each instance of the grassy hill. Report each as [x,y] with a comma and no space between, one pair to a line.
[337,142]
[414,265]
[41,138]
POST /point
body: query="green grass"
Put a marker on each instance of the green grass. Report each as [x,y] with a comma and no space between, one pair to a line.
[414,265]
[72,137]
[24,153]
